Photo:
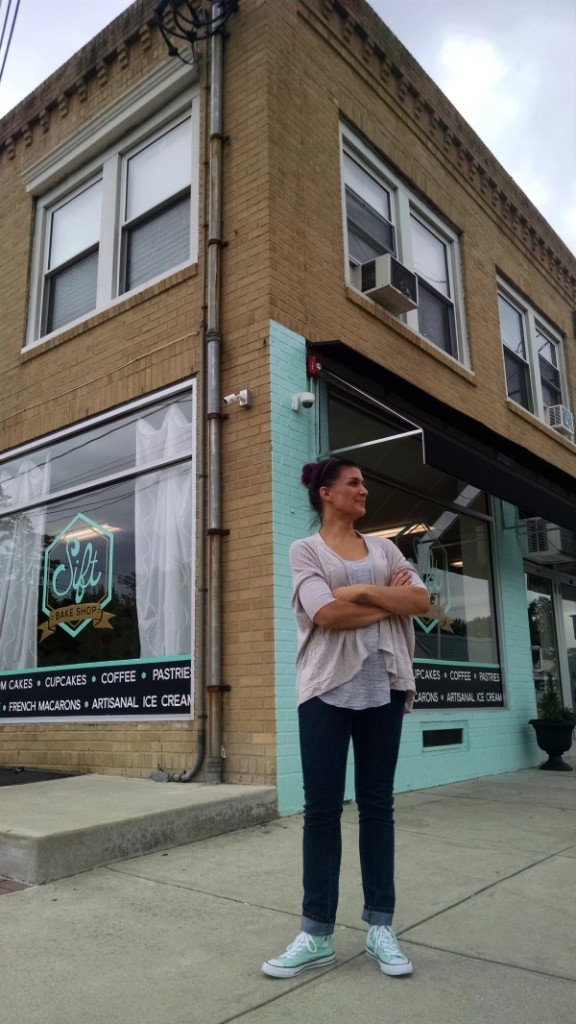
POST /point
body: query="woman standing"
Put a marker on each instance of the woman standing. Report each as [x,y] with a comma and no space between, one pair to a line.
[353,598]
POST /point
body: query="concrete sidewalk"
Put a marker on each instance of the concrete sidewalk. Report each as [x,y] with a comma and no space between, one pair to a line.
[50,830]
[486,898]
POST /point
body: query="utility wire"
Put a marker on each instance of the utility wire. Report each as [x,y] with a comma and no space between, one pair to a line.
[11,33]
[5,23]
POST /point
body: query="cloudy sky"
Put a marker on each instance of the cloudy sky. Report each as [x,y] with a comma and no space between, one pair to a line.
[508,65]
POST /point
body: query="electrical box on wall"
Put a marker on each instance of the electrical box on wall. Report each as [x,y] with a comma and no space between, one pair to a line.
[389,283]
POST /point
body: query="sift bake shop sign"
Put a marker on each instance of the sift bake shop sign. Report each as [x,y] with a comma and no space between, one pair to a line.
[77,578]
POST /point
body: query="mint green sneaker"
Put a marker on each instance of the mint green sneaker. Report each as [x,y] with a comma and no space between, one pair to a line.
[306,951]
[382,945]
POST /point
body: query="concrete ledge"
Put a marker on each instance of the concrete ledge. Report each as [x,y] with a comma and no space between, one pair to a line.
[50,830]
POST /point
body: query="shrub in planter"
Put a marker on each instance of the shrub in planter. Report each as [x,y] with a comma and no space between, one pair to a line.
[554,727]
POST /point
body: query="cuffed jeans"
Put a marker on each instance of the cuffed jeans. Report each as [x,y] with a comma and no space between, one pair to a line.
[325,734]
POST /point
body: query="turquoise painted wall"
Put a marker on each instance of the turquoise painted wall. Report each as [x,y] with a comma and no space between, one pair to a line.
[495,741]
[294,442]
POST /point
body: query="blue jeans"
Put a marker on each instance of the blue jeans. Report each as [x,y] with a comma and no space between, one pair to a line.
[325,734]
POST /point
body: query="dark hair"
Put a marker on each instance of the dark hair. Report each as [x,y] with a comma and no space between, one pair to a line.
[322,474]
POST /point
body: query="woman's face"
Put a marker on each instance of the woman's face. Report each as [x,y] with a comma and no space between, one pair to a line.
[347,495]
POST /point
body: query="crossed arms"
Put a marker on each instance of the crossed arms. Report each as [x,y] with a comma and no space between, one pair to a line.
[363,604]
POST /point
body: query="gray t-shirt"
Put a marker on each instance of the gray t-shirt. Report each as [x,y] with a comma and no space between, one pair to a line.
[370,687]
[328,657]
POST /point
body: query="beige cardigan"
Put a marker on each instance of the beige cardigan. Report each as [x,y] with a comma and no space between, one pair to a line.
[327,657]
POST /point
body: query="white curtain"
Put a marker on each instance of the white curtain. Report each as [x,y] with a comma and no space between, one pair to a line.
[163,539]
[21,544]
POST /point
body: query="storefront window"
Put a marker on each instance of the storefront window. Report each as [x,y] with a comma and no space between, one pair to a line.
[568,599]
[543,642]
[96,581]
[441,525]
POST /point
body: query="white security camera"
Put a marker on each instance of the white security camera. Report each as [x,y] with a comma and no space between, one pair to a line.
[243,399]
[303,400]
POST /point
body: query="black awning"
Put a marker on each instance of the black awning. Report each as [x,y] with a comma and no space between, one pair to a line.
[461,446]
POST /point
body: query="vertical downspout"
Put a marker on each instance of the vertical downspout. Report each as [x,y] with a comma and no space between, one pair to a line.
[200,640]
[200,643]
[214,531]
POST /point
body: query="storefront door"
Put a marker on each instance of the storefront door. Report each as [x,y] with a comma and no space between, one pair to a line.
[551,600]
[568,616]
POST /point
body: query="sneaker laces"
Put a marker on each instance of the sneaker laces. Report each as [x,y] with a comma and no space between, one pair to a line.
[302,940]
[385,938]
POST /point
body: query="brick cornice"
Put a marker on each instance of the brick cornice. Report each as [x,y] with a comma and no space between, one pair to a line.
[92,68]
[364,41]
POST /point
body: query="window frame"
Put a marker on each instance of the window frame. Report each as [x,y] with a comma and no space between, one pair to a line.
[103,485]
[127,226]
[405,204]
[52,274]
[534,327]
[108,165]
[340,400]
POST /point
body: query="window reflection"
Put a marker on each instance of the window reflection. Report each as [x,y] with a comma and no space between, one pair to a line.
[543,640]
[432,519]
[451,553]
[398,461]
[104,575]
[429,254]
[112,509]
[94,454]
[568,595]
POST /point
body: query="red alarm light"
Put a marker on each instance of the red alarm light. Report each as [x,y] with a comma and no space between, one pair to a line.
[313,366]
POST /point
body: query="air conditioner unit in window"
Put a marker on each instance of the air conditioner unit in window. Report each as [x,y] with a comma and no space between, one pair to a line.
[545,542]
[388,282]
[559,417]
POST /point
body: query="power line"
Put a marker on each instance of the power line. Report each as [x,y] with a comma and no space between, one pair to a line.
[5,23]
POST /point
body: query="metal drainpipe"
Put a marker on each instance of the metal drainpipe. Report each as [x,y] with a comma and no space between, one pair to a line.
[214,531]
[165,775]
[209,524]
[209,661]
[191,773]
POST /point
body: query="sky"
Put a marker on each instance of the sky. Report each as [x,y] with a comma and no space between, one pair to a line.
[507,65]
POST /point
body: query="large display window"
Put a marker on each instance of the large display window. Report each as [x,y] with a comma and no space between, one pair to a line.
[442,525]
[96,569]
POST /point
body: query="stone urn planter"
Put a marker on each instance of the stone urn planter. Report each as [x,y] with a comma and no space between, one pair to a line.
[554,728]
[554,738]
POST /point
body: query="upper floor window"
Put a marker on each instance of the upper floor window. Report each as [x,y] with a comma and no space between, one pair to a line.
[382,216]
[533,362]
[72,257]
[119,222]
[156,207]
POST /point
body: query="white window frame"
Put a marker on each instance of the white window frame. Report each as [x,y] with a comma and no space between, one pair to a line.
[531,322]
[124,132]
[404,203]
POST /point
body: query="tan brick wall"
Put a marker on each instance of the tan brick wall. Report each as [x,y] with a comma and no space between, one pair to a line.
[124,748]
[292,70]
[146,342]
[323,70]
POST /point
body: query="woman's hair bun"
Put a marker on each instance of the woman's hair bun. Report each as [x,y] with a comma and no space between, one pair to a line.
[308,472]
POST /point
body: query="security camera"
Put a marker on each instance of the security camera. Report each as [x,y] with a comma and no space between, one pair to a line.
[243,399]
[303,400]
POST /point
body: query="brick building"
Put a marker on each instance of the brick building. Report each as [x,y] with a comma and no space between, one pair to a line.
[298,210]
